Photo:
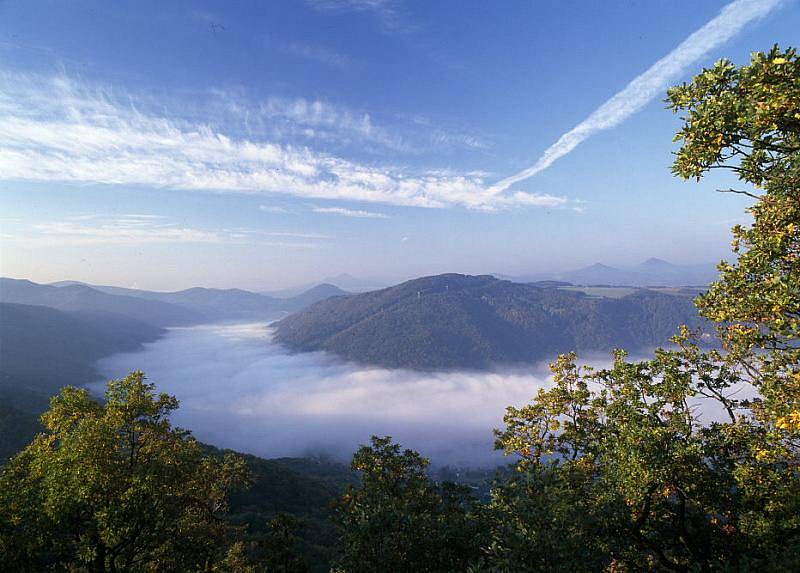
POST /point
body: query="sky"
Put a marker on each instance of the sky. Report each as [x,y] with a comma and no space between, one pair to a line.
[264,145]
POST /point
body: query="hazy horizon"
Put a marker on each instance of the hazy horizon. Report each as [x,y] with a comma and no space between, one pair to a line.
[341,279]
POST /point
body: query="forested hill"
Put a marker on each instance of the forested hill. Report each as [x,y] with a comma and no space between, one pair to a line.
[164,309]
[461,321]
[43,349]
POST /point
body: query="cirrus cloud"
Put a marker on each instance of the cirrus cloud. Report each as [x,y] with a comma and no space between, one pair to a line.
[359,213]
[138,229]
[59,129]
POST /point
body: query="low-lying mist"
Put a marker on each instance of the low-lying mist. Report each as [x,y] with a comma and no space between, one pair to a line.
[239,390]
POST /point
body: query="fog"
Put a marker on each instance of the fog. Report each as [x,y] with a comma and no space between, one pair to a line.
[239,390]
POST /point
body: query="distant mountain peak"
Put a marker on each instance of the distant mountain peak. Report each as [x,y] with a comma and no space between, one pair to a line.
[324,288]
[348,282]
[599,267]
[656,262]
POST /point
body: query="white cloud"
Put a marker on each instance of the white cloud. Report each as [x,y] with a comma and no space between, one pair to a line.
[652,83]
[443,138]
[137,229]
[450,137]
[57,129]
[276,209]
[122,231]
[315,119]
[350,212]
[319,122]
[297,235]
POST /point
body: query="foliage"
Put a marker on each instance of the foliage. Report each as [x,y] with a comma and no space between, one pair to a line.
[673,490]
[301,487]
[685,462]
[114,487]
[544,519]
[279,545]
[748,120]
[398,520]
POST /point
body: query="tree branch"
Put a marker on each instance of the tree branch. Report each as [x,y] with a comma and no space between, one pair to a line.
[739,192]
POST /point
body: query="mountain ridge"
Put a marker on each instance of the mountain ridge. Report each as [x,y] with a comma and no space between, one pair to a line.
[194,305]
[454,321]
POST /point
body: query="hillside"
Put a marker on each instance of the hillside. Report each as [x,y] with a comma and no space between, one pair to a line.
[459,321]
[211,304]
[42,349]
[343,282]
[80,297]
[301,487]
[312,295]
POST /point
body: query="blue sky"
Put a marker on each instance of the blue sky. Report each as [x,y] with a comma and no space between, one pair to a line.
[267,144]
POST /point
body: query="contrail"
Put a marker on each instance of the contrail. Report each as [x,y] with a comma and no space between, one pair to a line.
[730,21]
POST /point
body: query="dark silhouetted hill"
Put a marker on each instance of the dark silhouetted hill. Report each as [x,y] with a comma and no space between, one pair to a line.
[80,297]
[43,349]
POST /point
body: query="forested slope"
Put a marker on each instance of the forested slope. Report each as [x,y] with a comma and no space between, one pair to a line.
[461,321]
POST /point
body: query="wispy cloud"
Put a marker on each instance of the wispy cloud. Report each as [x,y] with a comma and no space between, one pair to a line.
[276,209]
[318,122]
[58,129]
[315,119]
[386,12]
[318,54]
[296,235]
[125,230]
[135,229]
[350,212]
[652,83]
[441,137]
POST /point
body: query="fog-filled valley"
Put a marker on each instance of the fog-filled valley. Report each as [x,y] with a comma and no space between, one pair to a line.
[239,390]
[460,349]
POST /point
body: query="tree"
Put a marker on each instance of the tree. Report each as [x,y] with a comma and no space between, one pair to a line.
[665,488]
[278,546]
[400,521]
[114,487]
[747,120]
